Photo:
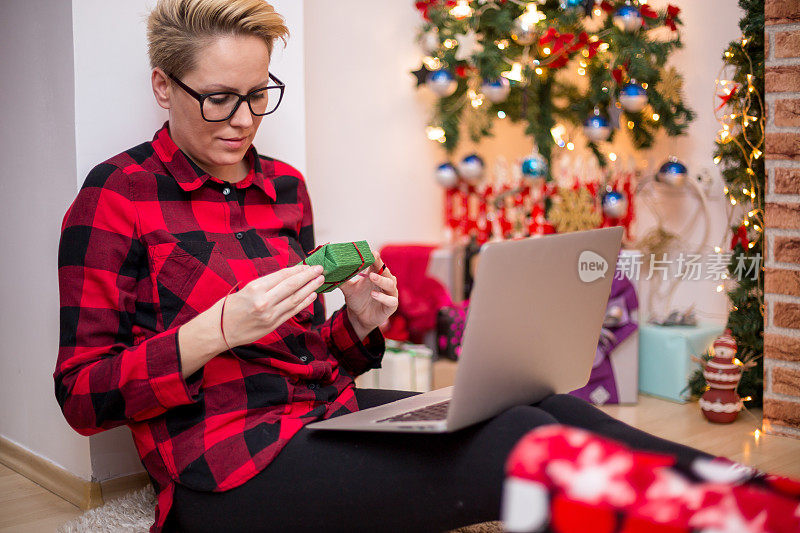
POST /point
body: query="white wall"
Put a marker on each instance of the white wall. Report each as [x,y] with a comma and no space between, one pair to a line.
[37,182]
[371,166]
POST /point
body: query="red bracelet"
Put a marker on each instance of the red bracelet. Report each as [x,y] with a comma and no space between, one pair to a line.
[222,314]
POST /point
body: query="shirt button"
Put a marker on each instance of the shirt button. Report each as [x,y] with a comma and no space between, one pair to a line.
[239,235]
[226,191]
[304,358]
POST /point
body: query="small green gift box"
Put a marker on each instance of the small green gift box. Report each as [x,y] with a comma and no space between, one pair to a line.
[341,262]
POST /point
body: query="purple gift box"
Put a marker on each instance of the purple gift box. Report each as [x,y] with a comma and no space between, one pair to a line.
[614,376]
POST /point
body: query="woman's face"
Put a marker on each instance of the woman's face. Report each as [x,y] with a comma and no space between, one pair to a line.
[230,63]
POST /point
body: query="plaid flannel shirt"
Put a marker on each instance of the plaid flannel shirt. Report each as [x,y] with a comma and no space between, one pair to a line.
[151,241]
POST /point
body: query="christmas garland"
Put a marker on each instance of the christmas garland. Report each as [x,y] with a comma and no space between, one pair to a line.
[596,64]
[739,153]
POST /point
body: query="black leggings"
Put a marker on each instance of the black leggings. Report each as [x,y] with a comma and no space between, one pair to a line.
[359,481]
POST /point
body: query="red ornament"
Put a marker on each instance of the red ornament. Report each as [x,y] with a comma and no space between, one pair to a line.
[740,237]
[648,11]
[726,96]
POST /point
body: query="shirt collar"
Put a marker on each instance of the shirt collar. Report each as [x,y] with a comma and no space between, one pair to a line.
[191,177]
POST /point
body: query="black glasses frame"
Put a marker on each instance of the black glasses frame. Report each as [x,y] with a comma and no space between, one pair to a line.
[201,97]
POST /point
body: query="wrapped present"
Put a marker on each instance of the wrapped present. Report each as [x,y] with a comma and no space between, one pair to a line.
[450,324]
[404,367]
[665,357]
[341,262]
[615,371]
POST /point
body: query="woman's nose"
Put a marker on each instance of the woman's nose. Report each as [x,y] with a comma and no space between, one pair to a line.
[242,117]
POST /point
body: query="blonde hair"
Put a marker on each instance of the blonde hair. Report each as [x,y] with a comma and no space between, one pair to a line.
[178,29]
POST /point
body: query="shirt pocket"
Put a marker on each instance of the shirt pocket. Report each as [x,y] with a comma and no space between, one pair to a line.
[188,277]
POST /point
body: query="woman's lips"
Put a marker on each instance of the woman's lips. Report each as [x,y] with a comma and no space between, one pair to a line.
[234,143]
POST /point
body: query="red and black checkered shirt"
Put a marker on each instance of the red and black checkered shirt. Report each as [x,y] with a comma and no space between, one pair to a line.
[151,241]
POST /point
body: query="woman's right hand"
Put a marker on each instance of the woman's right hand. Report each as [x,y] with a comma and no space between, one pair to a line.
[267,302]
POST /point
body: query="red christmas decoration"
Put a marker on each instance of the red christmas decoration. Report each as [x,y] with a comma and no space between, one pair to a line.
[740,237]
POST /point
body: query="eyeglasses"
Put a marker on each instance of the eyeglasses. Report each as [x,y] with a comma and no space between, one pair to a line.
[220,106]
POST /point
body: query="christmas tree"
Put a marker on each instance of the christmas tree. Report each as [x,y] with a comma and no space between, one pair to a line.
[739,153]
[596,64]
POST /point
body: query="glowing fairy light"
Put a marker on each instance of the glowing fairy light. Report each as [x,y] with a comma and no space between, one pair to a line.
[435,133]
[461,10]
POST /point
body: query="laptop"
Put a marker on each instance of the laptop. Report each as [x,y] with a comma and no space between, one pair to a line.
[536,310]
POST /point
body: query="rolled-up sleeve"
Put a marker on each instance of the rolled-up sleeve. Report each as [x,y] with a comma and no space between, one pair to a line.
[108,372]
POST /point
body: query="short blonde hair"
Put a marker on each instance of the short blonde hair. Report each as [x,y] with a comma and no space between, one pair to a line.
[178,29]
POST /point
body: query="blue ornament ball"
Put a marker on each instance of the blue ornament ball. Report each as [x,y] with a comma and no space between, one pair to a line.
[446,175]
[596,128]
[572,4]
[615,204]
[471,168]
[628,18]
[673,172]
[534,167]
[633,97]
[442,83]
[496,90]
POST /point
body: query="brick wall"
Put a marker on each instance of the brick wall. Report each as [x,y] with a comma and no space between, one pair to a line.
[782,220]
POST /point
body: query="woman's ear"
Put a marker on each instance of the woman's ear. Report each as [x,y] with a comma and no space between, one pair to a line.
[162,88]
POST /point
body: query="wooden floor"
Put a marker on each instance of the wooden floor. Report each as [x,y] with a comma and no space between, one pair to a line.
[26,507]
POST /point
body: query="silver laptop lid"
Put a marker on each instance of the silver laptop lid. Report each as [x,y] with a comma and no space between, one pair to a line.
[535,314]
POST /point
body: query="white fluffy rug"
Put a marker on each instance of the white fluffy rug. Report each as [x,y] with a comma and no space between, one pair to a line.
[135,513]
[132,513]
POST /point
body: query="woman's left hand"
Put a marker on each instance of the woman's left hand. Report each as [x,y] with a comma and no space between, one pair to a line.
[371,298]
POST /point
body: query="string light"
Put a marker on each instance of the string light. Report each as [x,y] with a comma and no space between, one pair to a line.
[433,63]
[570,146]
[461,10]
[612,156]
[501,114]
[656,116]
[435,133]
[450,43]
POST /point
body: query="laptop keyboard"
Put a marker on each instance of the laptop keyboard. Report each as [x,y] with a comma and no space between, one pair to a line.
[436,411]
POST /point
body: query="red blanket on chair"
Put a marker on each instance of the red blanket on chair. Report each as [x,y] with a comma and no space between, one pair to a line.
[420,296]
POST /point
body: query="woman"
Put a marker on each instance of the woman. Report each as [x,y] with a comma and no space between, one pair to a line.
[217,384]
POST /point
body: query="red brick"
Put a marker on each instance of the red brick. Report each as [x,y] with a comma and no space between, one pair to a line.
[766,45]
[781,347]
[782,412]
[787,249]
[787,44]
[787,112]
[781,281]
[786,381]
[782,78]
[782,11]
[787,180]
[786,216]
[783,145]
[786,315]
